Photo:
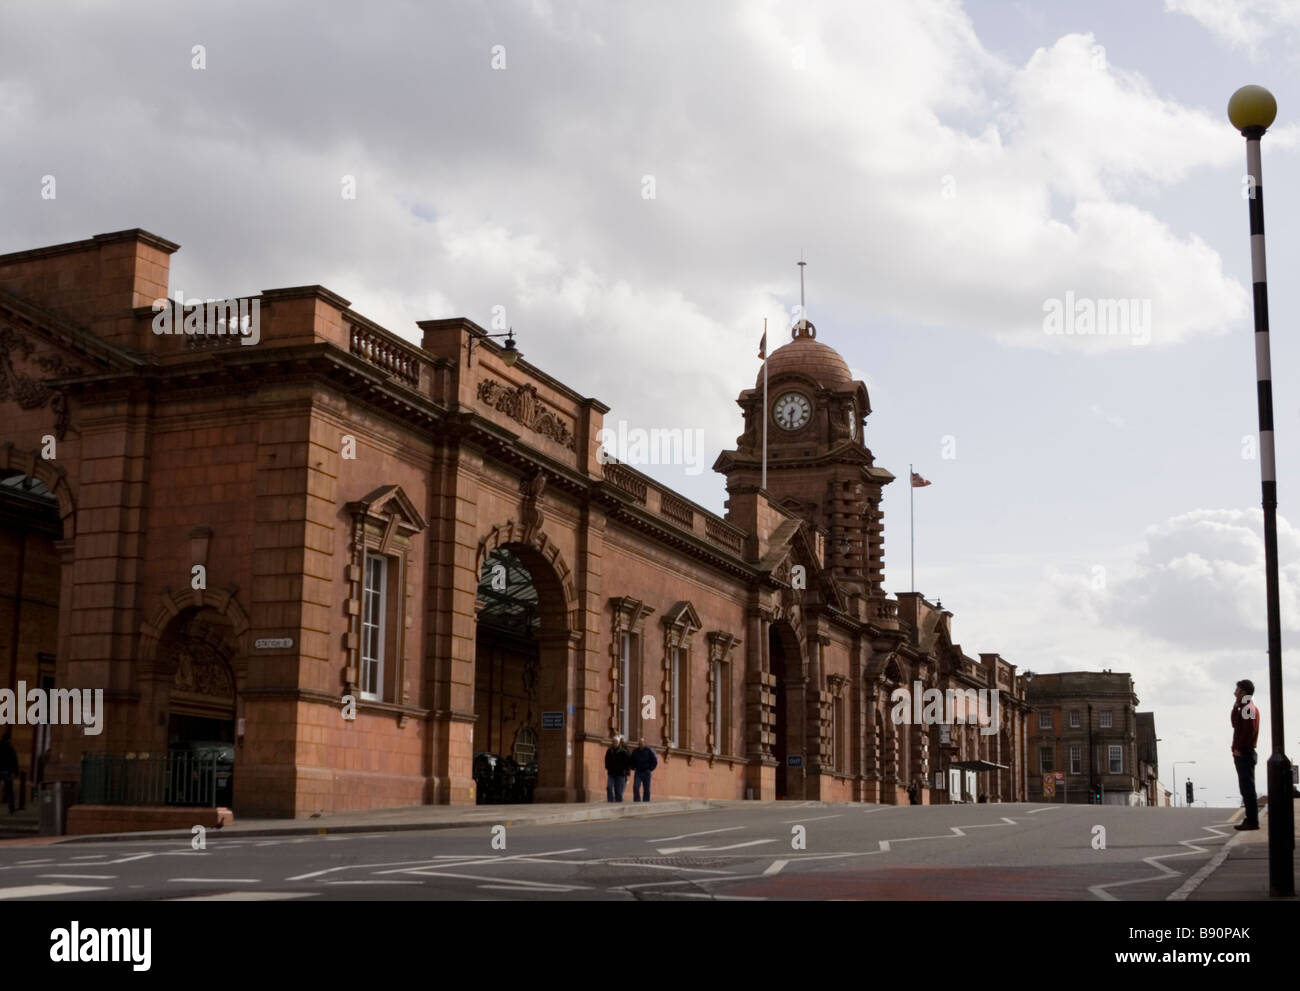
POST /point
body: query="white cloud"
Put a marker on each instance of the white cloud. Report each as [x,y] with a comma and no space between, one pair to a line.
[1243,24]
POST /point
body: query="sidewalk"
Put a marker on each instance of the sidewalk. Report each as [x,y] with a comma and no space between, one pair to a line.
[1239,872]
[415,817]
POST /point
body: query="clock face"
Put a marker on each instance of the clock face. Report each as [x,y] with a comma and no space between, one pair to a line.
[792,411]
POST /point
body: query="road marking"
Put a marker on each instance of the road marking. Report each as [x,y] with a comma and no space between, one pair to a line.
[775,867]
[718,898]
[665,851]
[49,860]
[96,856]
[127,860]
[386,882]
[214,880]
[669,867]
[1048,808]
[1197,879]
[248,896]
[516,883]
[360,867]
[1099,890]
[472,860]
[687,836]
[817,818]
[81,877]
[40,890]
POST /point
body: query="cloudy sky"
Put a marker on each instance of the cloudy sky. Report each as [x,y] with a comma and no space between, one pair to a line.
[634,184]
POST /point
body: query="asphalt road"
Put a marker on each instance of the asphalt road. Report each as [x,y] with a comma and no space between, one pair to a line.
[741,851]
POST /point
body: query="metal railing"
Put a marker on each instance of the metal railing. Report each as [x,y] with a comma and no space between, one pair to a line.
[178,778]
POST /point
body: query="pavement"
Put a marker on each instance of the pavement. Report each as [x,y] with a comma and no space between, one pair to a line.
[1239,872]
[667,849]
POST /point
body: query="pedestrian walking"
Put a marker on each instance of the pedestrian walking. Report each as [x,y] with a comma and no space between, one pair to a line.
[1245,733]
[644,762]
[8,768]
[913,794]
[618,764]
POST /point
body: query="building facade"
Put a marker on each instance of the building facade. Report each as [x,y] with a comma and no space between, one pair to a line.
[361,561]
[1085,725]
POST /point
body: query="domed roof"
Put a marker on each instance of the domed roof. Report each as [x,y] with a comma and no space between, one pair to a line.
[806,355]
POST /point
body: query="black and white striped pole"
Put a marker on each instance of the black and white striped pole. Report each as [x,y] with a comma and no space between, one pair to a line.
[1252,111]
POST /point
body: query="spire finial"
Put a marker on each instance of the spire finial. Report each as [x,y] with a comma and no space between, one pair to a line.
[803,328]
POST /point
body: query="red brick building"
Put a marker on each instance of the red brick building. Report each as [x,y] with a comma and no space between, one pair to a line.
[234,537]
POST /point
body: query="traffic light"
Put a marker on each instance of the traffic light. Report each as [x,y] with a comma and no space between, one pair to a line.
[1189,792]
[1096,794]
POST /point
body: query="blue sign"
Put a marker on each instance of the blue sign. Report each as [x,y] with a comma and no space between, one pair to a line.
[794,760]
[553,720]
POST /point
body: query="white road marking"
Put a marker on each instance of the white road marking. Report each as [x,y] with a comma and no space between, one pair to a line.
[518,884]
[472,860]
[1048,808]
[665,851]
[127,860]
[40,890]
[818,818]
[21,863]
[214,880]
[669,867]
[1099,890]
[1197,879]
[687,836]
[775,867]
[380,882]
[715,898]
[248,896]
[96,856]
[81,877]
[359,867]
[510,887]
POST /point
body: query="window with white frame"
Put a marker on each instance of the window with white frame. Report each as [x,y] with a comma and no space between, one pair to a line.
[1076,760]
[624,684]
[1045,719]
[1105,719]
[1074,719]
[1045,759]
[374,631]
[675,697]
[1116,759]
[715,674]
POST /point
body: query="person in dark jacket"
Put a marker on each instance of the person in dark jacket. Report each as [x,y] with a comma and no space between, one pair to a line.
[1245,734]
[644,762]
[618,762]
[914,794]
[8,768]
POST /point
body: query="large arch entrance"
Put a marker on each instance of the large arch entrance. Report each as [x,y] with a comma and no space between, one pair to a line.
[30,582]
[784,656]
[523,749]
[195,655]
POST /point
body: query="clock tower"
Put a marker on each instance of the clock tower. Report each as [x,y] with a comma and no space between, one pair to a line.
[818,466]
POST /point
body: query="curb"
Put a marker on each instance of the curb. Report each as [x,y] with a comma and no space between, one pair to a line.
[316,827]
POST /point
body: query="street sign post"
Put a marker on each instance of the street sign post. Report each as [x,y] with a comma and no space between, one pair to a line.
[1049,785]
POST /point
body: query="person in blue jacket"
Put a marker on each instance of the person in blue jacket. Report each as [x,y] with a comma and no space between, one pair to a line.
[644,762]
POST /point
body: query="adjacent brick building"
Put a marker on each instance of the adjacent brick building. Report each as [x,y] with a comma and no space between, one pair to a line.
[236,539]
[1086,724]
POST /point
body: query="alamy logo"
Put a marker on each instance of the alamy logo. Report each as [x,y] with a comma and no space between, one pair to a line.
[231,317]
[954,707]
[59,706]
[656,446]
[77,945]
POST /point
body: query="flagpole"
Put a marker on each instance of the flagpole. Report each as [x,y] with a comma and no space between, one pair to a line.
[765,413]
[911,490]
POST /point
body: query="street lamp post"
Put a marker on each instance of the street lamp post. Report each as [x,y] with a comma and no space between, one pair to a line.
[1176,763]
[1252,110]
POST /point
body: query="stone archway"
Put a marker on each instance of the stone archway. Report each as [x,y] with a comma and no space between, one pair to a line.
[540,656]
[787,667]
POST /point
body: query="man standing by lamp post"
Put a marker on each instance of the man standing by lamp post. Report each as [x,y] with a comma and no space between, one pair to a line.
[1252,110]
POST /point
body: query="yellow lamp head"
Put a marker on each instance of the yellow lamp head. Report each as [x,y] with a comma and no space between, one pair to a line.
[1252,107]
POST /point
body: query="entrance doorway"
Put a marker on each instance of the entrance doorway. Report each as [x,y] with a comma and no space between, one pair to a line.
[783,655]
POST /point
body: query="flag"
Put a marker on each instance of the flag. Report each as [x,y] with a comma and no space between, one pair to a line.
[762,345]
[918,482]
